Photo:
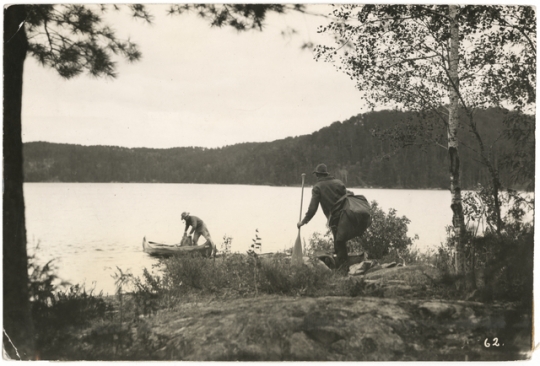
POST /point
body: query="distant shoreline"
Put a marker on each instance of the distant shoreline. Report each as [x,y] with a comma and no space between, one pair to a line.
[348,148]
[266,185]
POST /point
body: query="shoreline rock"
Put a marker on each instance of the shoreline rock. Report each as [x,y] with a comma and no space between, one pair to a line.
[276,328]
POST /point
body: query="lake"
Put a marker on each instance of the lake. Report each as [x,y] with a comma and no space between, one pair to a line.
[90,229]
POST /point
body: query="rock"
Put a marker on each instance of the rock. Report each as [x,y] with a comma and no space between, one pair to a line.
[374,282]
[373,335]
[437,309]
[374,267]
[325,335]
[316,263]
[396,282]
[361,268]
[354,279]
[357,269]
[389,265]
[279,328]
[358,257]
[396,290]
[305,329]
[457,339]
[302,348]
[414,275]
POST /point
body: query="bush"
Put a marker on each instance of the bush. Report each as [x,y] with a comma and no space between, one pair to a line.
[318,242]
[139,296]
[508,269]
[406,257]
[237,275]
[386,235]
[279,277]
[57,308]
[228,275]
[500,254]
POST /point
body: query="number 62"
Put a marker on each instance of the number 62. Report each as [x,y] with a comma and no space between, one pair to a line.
[495,343]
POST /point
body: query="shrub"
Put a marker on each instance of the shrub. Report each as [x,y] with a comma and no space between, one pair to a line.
[480,210]
[387,234]
[508,268]
[57,307]
[226,245]
[406,257]
[228,275]
[277,276]
[239,275]
[318,242]
[500,254]
[139,296]
[256,246]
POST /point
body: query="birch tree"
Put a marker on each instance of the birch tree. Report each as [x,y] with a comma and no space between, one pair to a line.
[440,59]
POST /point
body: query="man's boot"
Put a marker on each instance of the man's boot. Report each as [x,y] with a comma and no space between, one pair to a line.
[342,258]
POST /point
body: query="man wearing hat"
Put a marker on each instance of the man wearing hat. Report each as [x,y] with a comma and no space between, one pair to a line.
[329,192]
[198,228]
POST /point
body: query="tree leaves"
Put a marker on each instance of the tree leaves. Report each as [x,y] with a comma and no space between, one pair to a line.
[73,39]
[241,17]
[398,54]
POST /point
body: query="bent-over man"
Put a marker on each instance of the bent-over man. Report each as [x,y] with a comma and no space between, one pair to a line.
[198,229]
[331,194]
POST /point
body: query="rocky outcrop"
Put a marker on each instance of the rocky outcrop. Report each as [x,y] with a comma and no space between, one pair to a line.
[274,328]
[403,323]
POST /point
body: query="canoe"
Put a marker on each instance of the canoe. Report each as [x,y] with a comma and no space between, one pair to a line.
[158,249]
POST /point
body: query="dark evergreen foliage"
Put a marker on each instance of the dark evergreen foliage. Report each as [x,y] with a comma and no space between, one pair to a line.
[355,150]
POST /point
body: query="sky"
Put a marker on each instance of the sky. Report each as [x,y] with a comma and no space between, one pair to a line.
[194,86]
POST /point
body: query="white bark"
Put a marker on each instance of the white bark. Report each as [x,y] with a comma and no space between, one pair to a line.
[453,123]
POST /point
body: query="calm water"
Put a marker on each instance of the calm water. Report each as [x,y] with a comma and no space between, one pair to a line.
[92,228]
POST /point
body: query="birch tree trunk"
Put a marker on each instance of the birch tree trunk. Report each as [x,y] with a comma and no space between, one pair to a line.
[458,221]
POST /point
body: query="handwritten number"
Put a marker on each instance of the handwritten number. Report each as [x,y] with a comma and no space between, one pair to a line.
[494,344]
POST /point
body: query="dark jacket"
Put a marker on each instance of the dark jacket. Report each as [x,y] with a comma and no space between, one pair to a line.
[195,223]
[327,191]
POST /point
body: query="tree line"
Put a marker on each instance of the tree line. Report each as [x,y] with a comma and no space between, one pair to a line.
[359,151]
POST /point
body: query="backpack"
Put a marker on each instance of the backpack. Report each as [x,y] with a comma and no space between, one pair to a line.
[354,216]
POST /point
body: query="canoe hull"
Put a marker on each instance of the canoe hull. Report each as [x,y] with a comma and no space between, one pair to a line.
[164,250]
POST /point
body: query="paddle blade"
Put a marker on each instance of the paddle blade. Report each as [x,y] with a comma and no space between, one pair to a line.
[297,251]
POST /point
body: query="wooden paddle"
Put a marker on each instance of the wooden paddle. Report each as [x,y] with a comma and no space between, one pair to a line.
[297,249]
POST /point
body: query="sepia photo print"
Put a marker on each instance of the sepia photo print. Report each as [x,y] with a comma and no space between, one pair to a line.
[269,182]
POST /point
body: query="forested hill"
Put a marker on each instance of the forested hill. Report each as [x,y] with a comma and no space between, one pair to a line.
[349,148]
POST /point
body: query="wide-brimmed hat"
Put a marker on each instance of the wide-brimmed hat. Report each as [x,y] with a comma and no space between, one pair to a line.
[321,169]
[185,214]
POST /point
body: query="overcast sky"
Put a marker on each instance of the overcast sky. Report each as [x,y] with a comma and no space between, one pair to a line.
[194,86]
